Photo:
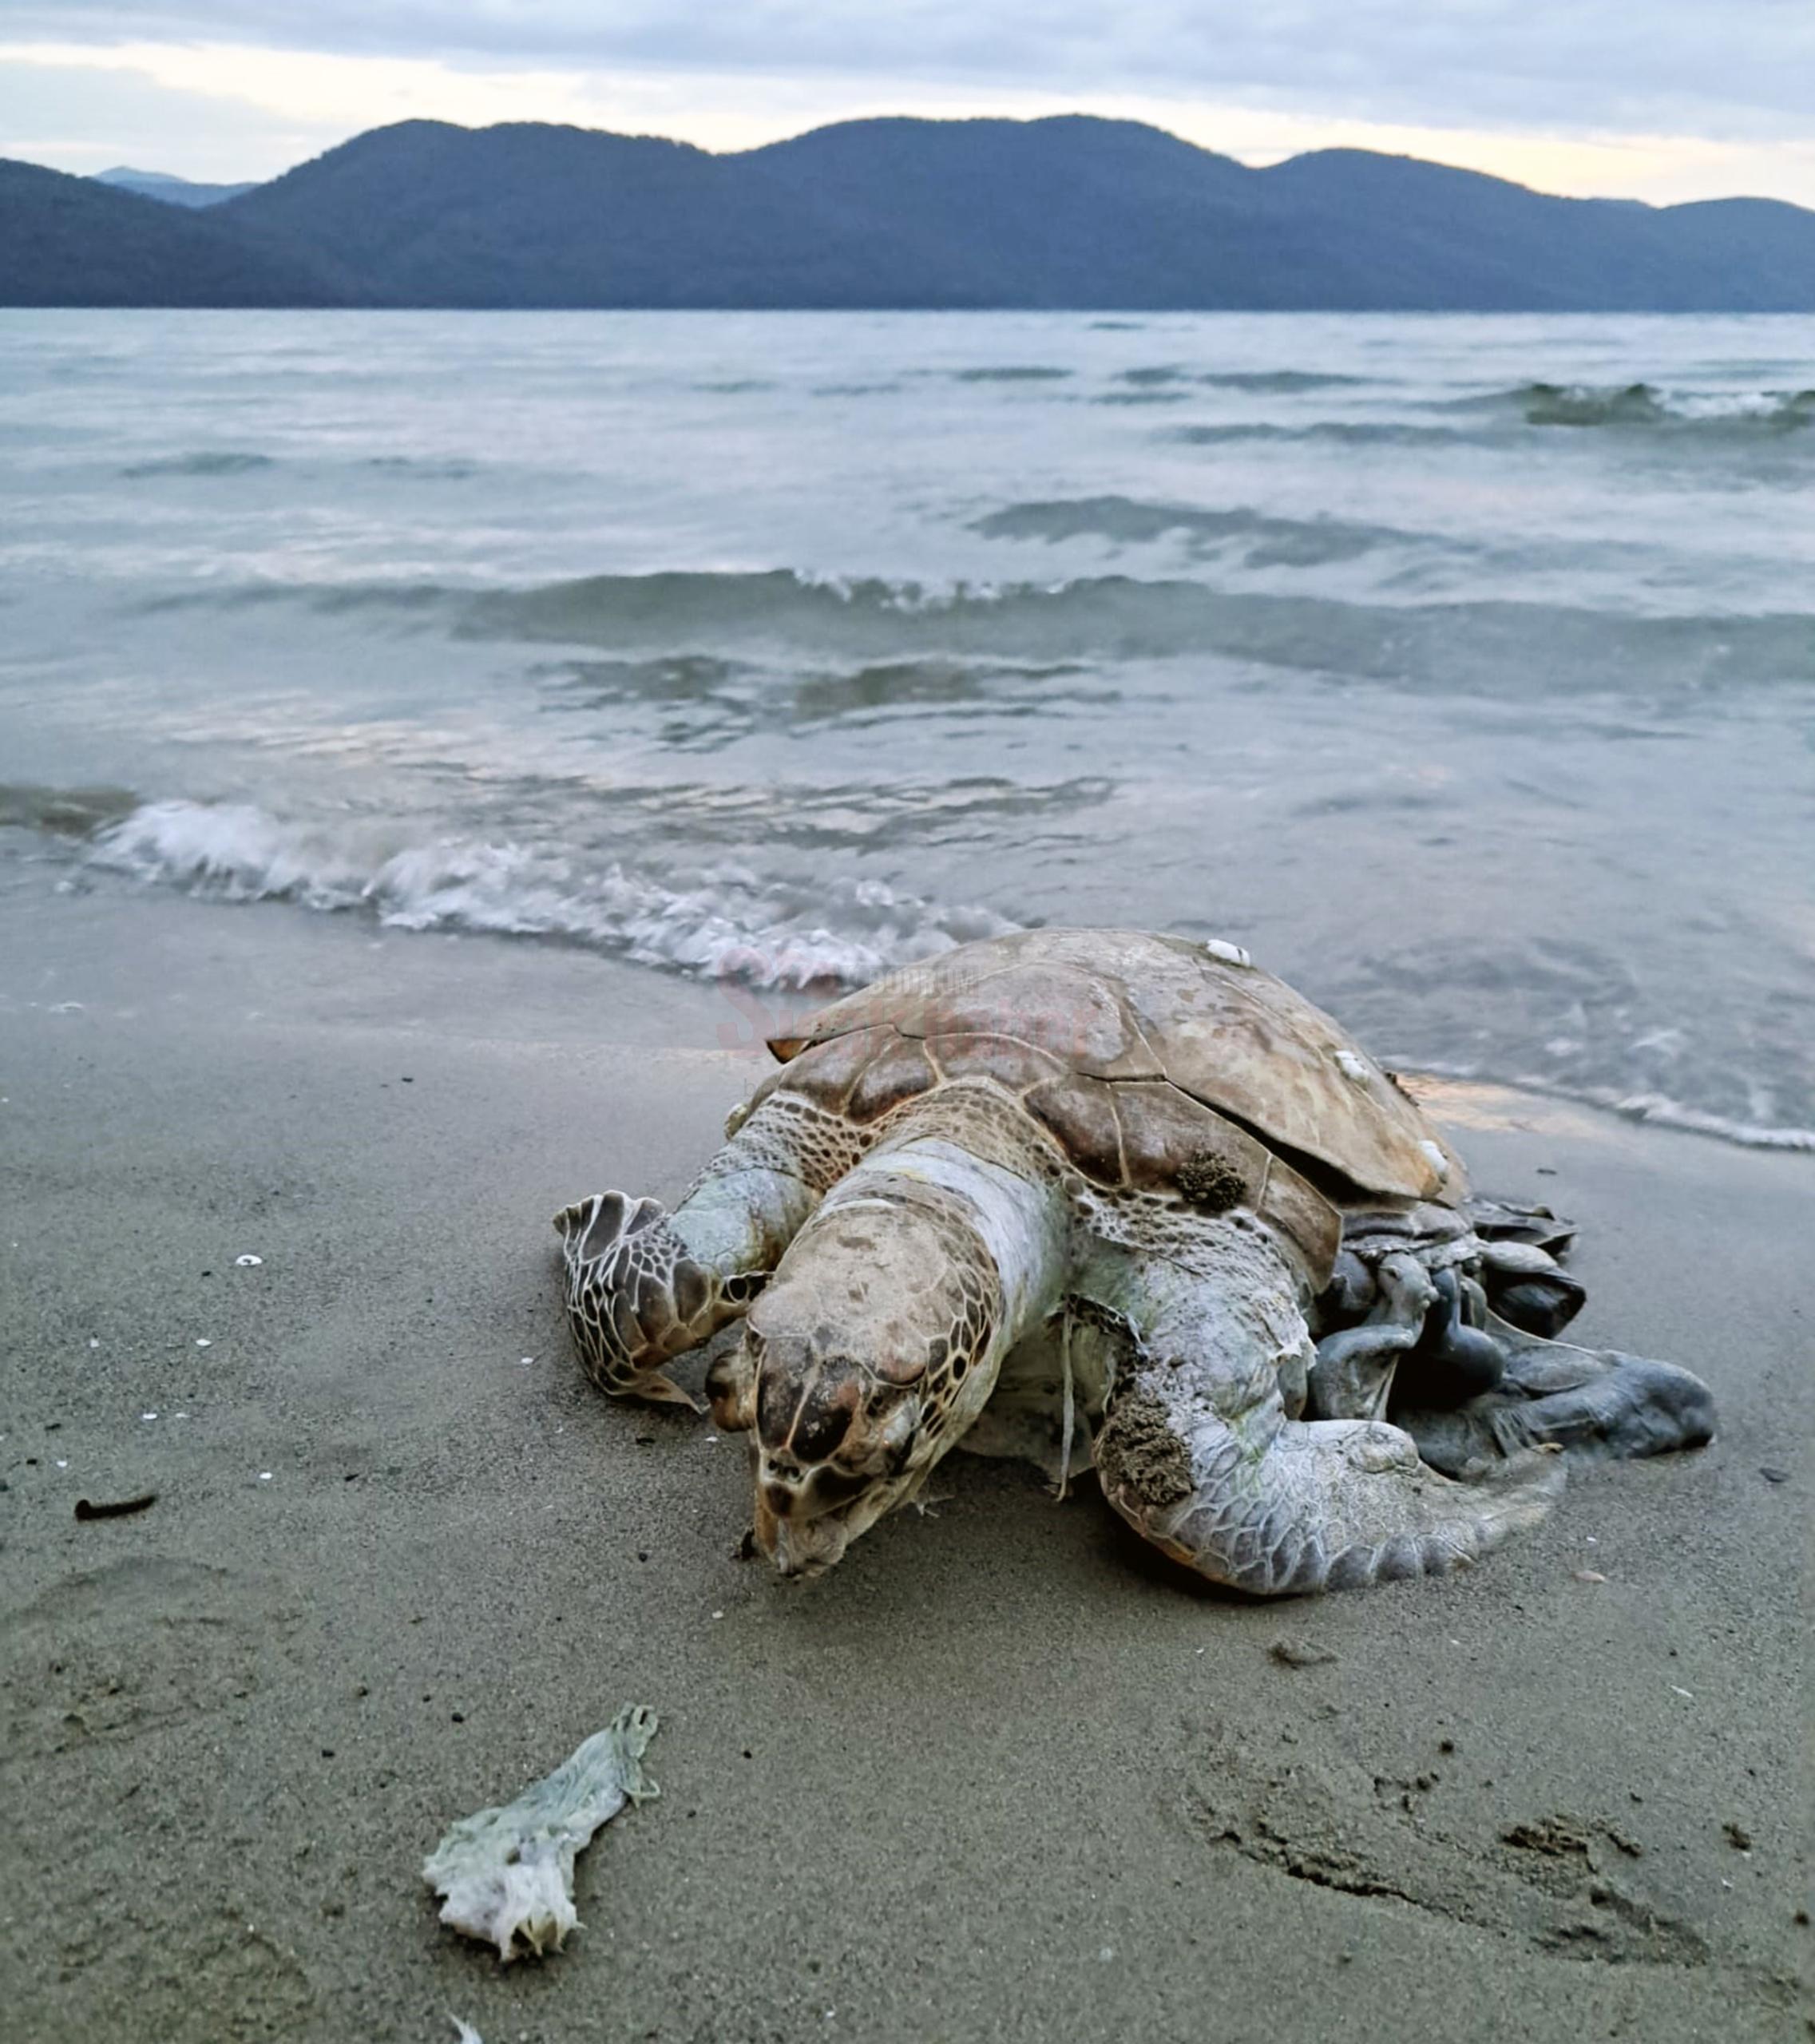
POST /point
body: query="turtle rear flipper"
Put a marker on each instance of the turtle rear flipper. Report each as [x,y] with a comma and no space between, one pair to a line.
[1202,1454]
[1324,1504]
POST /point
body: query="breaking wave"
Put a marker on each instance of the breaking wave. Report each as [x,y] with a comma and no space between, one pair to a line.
[1012,372]
[1667,1113]
[421,468]
[717,922]
[1744,417]
[1286,382]
[208,462]
[721,922]
[1337,432]
[1264,541]
[780,613]
[1657,1110]
[61,812]
[1645,404]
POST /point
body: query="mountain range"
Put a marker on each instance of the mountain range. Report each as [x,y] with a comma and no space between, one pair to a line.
[173,190]
[1070,213]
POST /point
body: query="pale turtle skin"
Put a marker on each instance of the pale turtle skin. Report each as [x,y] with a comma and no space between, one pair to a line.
[1107,1199]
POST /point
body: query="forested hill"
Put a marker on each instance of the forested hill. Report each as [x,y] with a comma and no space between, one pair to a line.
[76,241]
[1067,212]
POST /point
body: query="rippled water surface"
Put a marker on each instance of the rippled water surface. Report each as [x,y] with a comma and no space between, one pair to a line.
[1464,669]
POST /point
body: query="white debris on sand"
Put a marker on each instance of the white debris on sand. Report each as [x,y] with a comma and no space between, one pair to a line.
[506,1874]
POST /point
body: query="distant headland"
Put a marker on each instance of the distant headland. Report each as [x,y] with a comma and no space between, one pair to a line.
[1067,213]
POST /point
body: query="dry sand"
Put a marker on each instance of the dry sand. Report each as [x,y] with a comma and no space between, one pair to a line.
[1000,1776]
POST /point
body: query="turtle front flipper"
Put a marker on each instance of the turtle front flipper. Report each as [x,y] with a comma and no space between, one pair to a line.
[635,1297]
[644,1286]
[1202,1454]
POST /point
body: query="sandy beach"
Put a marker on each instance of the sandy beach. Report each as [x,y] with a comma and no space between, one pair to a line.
[1000,1776]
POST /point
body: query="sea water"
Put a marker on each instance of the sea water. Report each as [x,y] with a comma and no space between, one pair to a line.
[1461,669]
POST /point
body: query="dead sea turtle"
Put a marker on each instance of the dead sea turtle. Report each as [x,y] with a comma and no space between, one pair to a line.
[1107,1199]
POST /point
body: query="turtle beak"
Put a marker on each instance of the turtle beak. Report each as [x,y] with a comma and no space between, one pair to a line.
[801,1546]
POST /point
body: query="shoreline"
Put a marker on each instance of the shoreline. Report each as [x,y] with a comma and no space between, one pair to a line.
[1000,1773]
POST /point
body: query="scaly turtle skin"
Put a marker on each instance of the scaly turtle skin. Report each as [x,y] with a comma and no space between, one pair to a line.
[1103,1198]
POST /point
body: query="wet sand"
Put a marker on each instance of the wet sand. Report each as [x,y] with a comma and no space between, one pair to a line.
[999,1776]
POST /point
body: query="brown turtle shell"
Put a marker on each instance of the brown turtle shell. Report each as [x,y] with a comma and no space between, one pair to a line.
[1158,1064]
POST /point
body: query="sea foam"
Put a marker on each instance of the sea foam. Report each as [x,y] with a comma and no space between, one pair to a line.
[723,921]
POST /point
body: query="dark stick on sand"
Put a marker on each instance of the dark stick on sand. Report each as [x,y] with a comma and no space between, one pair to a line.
[115,1508]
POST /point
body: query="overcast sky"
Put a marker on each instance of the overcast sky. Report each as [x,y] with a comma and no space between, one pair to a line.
[1666,100]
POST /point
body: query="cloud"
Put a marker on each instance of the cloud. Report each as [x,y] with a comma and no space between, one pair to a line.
[1560,98]
[82,118]
[1676,66]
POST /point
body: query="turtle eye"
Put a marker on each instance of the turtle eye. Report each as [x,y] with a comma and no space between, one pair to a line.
[776,1399]
[896,1436]
[731,1386]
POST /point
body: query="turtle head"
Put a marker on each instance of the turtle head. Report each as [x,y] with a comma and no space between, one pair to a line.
[867,1357]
